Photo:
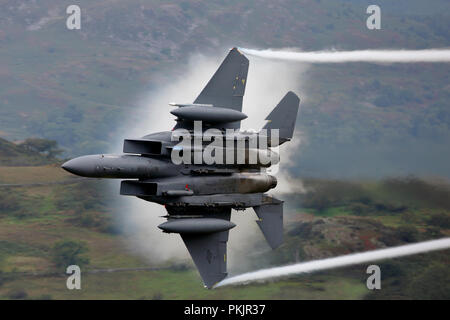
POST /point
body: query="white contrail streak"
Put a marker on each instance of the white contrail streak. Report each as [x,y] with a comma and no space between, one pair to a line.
[373,56]
[337,262]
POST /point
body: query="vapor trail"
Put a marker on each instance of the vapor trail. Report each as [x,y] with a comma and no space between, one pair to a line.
[373,56]
[337,262]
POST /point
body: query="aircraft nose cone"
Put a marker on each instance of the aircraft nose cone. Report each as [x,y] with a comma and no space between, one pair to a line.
[81,166]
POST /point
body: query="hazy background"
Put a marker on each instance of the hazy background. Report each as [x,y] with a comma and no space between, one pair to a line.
[131,58]
[360,127]
[113,79]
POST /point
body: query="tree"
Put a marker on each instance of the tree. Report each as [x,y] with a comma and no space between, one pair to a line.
[42,146]
[17,294]
[431,284]
[9,201]
[69,252]
[407,233]
[441,220]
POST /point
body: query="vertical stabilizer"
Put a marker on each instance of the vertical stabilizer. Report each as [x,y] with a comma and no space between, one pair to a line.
[284,116]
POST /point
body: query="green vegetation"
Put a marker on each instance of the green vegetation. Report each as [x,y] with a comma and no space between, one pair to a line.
[73,90]
[414,278]
[44,228]
[29,152]
[48,148]
[69,252]
[389,197]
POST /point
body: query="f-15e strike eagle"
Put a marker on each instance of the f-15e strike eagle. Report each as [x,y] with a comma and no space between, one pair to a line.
[199,180]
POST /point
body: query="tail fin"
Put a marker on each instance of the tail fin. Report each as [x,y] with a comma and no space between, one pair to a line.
[284,116]
[271,221]
[227,86]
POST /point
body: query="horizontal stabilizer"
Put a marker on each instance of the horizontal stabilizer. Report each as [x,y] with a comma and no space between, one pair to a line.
[271,222]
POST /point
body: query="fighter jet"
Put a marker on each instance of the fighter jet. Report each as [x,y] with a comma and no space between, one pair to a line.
[199,194]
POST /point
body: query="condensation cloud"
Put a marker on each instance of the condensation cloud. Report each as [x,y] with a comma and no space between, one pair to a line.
[267,83]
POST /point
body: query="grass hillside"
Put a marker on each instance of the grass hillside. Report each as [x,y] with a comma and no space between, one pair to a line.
[12,154]
[49,216]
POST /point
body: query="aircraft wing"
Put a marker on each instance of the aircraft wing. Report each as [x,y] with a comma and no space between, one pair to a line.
[209,252]
[227,86]
[205,238]
[225,89]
